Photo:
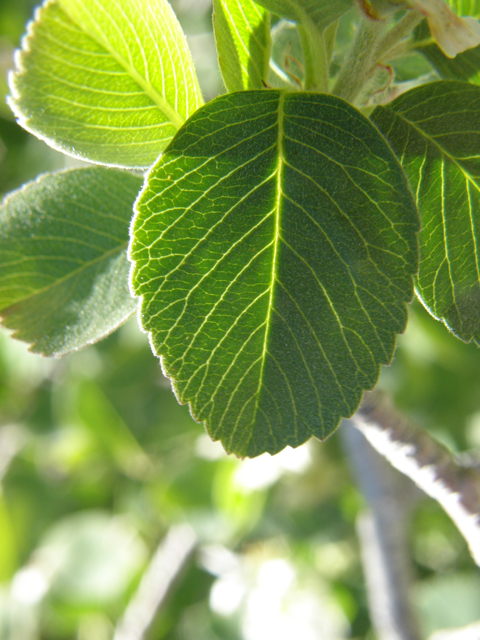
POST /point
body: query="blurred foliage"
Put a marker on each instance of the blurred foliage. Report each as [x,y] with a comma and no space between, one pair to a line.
[97,461]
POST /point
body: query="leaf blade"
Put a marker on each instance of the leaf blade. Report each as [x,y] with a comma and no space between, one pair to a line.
[85,84]
[242,34]
[240,298]
[435,129]
[63,265]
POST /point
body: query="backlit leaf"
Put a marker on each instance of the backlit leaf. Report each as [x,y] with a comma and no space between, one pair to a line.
[242,33]
[63,264]
[274,250]
[108,81]
[435,130]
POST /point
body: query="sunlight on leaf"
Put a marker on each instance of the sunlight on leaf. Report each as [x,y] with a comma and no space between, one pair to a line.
[274,250]
[109,83]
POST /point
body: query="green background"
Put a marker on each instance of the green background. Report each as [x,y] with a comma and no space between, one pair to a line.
[97,461]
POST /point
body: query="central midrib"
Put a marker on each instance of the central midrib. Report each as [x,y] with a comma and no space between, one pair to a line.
[159,100]
[278,208]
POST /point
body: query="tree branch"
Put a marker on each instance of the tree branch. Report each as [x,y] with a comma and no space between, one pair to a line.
[383,532]
[429,464]
[165,566]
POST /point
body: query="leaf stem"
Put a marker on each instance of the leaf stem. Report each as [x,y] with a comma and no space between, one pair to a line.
[397,33]
[315,56]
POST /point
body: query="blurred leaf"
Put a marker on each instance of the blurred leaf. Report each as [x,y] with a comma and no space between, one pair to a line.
[271,328]
[8,546]
[108,428]
[109,83]
[242,33]
[447,602]
[62,258]
[92,557]
[466,7]
[435,130]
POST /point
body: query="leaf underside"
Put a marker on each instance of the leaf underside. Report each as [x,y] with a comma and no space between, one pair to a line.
[63,263]
[274,248]
[242,34]
[435,131]
[108,82]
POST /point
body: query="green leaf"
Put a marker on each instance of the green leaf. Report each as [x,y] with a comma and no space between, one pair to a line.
[320,13]
[274,248]
[242,33]
[108,82]
[63,264]
[435,130]
[466,7]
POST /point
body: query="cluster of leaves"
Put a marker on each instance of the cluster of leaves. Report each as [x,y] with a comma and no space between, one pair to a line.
[274,243]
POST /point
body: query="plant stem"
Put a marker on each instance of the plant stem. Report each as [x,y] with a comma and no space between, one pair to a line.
[383,534]
[315,57]
[397,33]
[429,464]
[358,67]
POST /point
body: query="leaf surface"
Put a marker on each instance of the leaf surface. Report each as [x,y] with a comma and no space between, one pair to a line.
[242,34]
[274,248]
[109,82]
[435,130]
[63,264]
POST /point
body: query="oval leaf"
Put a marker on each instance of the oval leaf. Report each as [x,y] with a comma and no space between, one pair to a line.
[435,130]
[63,264]
[108,82]
[274,249]
[242,34]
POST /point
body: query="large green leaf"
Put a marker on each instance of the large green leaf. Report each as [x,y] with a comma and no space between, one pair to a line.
[435,130]
[274,248]
[321,13]
[63,264]
[242,33]
[109,82]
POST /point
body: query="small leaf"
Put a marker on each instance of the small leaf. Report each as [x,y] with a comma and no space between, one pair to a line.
[435,130]
[321,13]
[274,250]
[242,33]
[108,82]
[63,264]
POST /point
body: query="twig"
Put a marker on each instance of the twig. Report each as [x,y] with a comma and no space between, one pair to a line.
[165,566]
[430,465]
[383,534]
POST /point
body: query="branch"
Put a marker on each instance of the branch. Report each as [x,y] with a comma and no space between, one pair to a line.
[429,464]
[383,534]
[165,566]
